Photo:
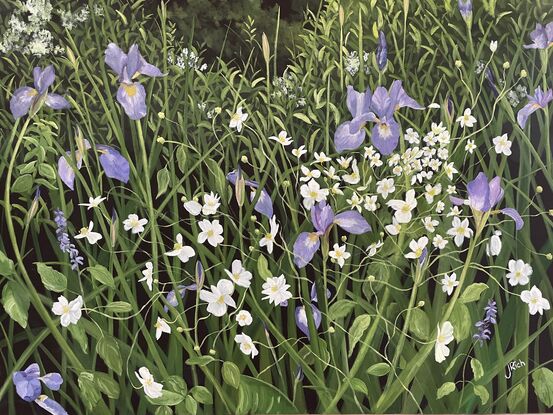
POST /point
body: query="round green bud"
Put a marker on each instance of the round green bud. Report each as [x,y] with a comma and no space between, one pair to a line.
[539,189]
[506,65]
[371,278]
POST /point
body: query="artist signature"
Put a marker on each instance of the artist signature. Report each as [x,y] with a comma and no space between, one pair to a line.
[513,366]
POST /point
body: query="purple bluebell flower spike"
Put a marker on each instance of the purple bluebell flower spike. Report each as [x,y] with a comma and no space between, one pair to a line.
[63,239]
[382,105]
[26,99]
[465,8]
[323,218]
[484,325]
[484,195]
[115,166]
[28,387]
[541,36]
[131,95]
[540,100]
[264,204]
[381,51]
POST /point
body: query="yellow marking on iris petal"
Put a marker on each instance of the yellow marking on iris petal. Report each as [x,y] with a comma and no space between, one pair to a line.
[33,92]
[130,89]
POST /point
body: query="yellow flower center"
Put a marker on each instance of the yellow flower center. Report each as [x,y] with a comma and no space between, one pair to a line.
[130,89]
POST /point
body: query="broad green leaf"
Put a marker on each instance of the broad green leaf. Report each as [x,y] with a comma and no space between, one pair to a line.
[340,309]
[420,325]
[106,385]
[102,275]
[302,117]
[51,279]
[257,396]
[163,178]
[542,380]
[167,398]
[190,405]
[22,184]
[108,349]
[90,394]
[359,386]
[445,389]
[6,265]
[477,368]
[473,292]
[202,395]
[163,410]
[360,324]
[460,319]
[119,307]
[219,178]
[482,393]
[181,158]
[176,384]
[515,398]
[263,267]
[79,335]
[16,302]
[47,171]
[199,360]
[231,374]
[379,369]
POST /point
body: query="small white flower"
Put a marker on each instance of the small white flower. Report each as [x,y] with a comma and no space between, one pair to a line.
[211,203]
[502,145]
[344,162]
[493,247]
[470,146]
[244,318]
[148,275]
[443,338]
[211,231]
[269,239]
[354,177]
[439,242]
[454,211]
[450,170]
[70,312]
[193,207]
[384,187]
[331,173]
[394,228]
[440,206]
[312,193]
[411,136]
[237,119]
[450,189]
[335,189]
[93,202]
[355,202]
[91,237]
[219,298]
[321,157]
[434,105]
[339,254]
[430,224]
[309,174]
[432,191]
[183,252]
[417,248]
[161,327]
[493,46]
[373,248]
[134,223]
[246,344]
[282,138]
[300,151]
[276,291]
[403,208]
[534,299]
[459,230]
[239,275]
[151,387]
[449,282]
[466,120]
[519,272]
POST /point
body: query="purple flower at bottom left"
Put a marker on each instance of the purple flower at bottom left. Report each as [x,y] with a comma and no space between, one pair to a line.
[29,388]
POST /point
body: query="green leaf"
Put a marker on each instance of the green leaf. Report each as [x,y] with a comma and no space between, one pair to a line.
[119,307]
[302,117]
[420,325]
[47,171]
[102,275]
[263,268]
[167,398]
[6,265]
[176,384]
[51,279]
[359,386]
[445,389]
[108,349]
[542,380]
[360,324]
[482,393]
[379,369]
[181,158]
[220,180]
[190,405]
[89,390]
[231,374]
[473,292]
[199,360]
[79,335]
[477,368]
[22,184]
[163,410]
[257,396]
[340,309]
[106,385]
[460,319]
[16,302]
[202,395]
[163,178]
[515,398]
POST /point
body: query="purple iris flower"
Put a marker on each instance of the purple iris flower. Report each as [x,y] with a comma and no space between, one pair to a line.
[301,319]
[28,387]
[131,95]
[378,108]
[542,37]
[27,99]
[323,219]
[540,100]
[465,8]
[484,195]
[114,164]
[172,295]
[264,204]
[381,51]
